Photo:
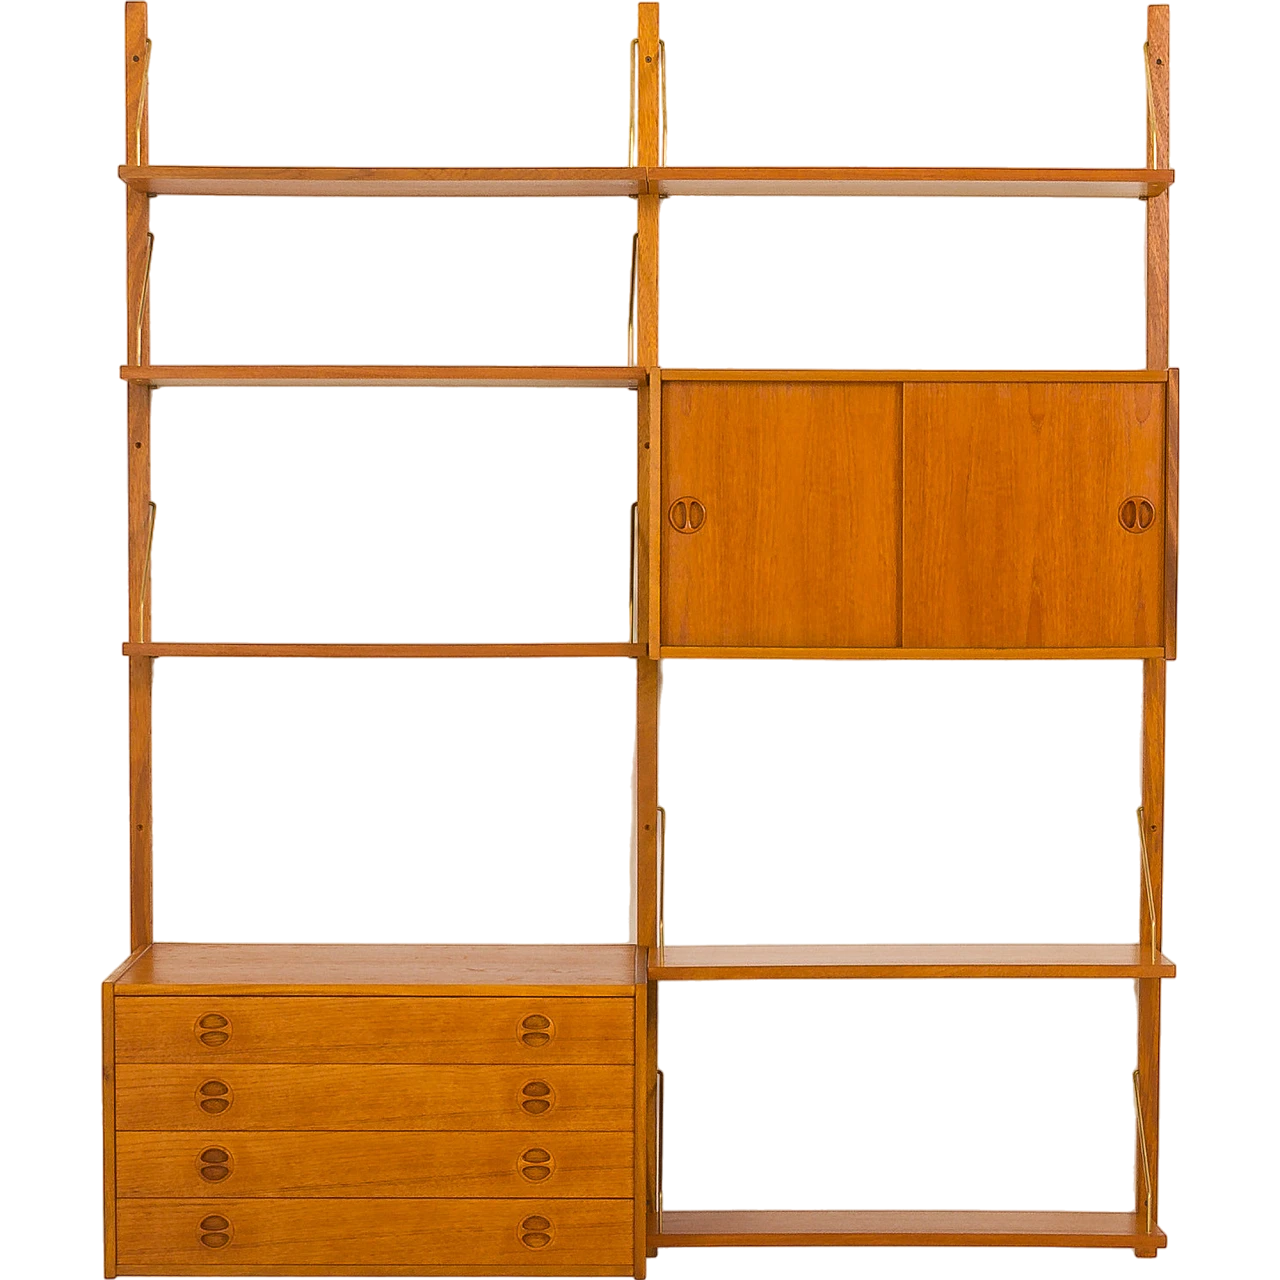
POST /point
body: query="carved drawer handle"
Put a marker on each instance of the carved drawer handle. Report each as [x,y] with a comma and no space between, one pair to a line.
[535,1231]
[535,1031]
[213,1030]
[214,1097]
[686,515]
[215,1231]
[1137,514]
[214,1164]
[536,1164]
[537,1098]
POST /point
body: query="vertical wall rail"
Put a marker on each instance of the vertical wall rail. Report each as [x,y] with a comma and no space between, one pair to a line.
[1148,1078]
[647,126]
[138,443]
[1157,70]
[1150,914]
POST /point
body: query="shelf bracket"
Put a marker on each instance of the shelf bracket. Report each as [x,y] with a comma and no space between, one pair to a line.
[1152,142]
[142,104]
[145,586]
[1142,1143]
[662,876]
[662,1098]
[142,297]
[633,630]
[631,125]
[662,90]
[1146,878]
[631,304]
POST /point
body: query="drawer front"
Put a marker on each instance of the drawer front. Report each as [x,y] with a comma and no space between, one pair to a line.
[373,1029]
[235,1164]
[234,1096]
[162,1237]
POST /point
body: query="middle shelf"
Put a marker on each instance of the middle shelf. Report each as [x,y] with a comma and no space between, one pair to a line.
[702,180]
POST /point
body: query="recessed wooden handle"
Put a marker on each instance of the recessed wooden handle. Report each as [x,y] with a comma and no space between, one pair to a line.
[686,515]
[1137,514]
[535,1231]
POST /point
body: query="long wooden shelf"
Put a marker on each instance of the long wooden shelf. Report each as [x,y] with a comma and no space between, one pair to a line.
[182,649]
[933,960]
[879,1227]
[380,375]
[1104,183]
[222,180]
[235,968]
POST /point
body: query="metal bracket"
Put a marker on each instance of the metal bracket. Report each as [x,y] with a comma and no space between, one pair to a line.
[142,297]
[1151,107]
[662,876]
[1146,879]
[633,629]
[662,1098]
[633,145]
[1142,1144]
[142,105]
[146,574]
[631,303]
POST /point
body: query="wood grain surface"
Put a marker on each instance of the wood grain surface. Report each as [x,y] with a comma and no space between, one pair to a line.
[916,960]
[163,1236]
[379,375]
[397,1097]
[532,1030]
[1011,532]
[801,540]
[408,969]
[880,1227]
[375,1164]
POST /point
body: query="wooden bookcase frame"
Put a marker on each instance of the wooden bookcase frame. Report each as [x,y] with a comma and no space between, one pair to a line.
[635,971]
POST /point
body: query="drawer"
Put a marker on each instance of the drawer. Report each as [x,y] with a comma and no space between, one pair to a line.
[163,1237]
[237,1096]
[373,1029]
[240,1163]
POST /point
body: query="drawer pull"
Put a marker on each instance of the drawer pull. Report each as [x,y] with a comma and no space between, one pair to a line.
[535,1231]
[214,1164]
[213,1030]
[535,1164]
[214,1097]
[537,1098]
[215,1231]
[536,1030]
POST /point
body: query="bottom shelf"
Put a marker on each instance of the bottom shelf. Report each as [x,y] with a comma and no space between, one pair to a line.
[733,1228]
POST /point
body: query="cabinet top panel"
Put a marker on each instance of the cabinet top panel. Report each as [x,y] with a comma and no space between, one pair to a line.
[915,375]
[191,968]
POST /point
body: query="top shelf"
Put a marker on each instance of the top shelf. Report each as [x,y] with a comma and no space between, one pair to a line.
[202,180]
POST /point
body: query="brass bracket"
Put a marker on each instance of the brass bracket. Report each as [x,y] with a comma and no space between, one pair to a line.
[662,1098]
[142,105]
[633,146]
[142,297]
[631,303]
[662,88]
[1146,879]
[662,876]
[631,126]
[1142,1144]
[633,628]
[145,585]
[1151,108]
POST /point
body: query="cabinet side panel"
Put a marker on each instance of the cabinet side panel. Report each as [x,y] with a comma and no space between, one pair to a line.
[108,1130]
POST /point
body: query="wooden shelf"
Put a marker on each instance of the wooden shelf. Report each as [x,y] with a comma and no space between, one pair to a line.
[222,180]
[1104,183]
[179,649]
[233,968]
[380,375]
[880,1227]
[943,960]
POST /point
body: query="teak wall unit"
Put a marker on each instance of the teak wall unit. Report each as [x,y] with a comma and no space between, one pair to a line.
[419,1110]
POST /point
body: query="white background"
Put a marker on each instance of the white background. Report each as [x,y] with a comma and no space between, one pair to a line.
[64,693]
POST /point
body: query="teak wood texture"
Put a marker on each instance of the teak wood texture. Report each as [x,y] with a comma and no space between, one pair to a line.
[460,1110]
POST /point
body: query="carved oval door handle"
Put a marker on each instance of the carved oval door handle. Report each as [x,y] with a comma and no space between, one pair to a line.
[686,515]
[1137,514]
